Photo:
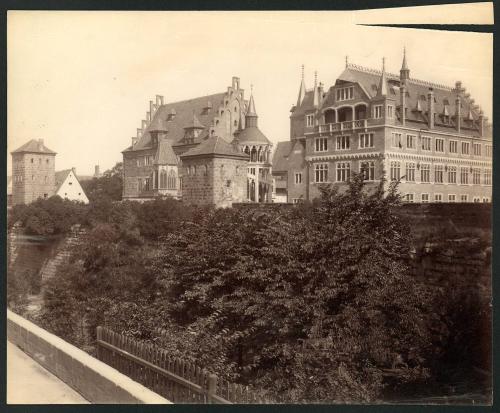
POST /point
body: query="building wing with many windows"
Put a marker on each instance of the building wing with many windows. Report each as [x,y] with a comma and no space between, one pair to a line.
[433,138]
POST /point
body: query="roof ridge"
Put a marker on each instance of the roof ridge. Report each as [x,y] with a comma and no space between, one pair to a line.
[394,76]
[195,98]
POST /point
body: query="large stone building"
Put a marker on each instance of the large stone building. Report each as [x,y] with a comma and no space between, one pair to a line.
[206,150]
[433,138]
[33,174]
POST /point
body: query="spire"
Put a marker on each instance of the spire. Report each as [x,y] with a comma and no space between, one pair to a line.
[382,87]
[346,61]
[316,94]
[251,115]
[404,73]
[251,104]
[302,90]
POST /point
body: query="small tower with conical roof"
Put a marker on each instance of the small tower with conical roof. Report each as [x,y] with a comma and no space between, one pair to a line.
[404,72]
[302,89]
[383,106]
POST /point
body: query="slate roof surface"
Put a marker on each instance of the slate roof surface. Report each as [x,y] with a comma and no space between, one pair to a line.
[214,145]
[165,154]
[34,146]
[184,116]
[251,134]
[416,96]
[283,149]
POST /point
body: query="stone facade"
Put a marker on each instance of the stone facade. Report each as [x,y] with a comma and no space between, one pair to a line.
[432,138]
[33,173]
[224,125]
[214,181]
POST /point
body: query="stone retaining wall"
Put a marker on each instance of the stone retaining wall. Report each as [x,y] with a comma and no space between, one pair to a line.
[95,381]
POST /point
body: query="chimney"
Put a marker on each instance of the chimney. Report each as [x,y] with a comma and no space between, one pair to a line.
[40,144]
[144,124]
[151,108]
[134,141]
[481,122]
[458,115]
[97,173]
[402,98]
[236,83]
[430,107]
[159,100]
[148,116]
[139,133]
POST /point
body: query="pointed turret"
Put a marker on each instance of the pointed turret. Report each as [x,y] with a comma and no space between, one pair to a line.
[302,90]
[404,73]
[382,86]
[316,91]
[251,115]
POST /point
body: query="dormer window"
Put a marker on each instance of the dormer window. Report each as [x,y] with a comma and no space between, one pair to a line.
[346,93]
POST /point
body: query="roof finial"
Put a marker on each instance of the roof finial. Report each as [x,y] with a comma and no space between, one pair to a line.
[302,71]
[315,77]
[383,64]
[346,60]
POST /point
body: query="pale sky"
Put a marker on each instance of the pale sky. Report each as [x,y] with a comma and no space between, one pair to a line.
[82,81]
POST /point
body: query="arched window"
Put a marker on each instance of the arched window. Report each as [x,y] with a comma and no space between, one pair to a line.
[172,178]
[163,179]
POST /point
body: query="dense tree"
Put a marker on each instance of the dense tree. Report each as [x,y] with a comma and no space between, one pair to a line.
[108,186]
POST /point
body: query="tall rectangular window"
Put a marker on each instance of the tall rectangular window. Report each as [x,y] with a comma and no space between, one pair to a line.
[476,148]
[452,198]
[298,178]
[438,174]
[346,93]
[396,140]
[489,150]
[395,170]
[321,144]
[426,143]
[487,177]
[343,142]
[464,175]
[309,120]
[390,111]
[367,168]
[321,172]
[476,176]
[366,140]
[343,171]
[425,173]
[465,148]
[439,145]
[411,141]
[409,198]
[464,198]
[410,172]
[424,198]
[452,174]
[453,146]
[438,197]
[377,111]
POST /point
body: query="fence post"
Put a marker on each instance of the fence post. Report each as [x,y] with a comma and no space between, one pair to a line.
[98,347]
[212,387]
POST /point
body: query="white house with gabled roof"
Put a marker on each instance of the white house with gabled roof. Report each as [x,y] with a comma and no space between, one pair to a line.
[68,186]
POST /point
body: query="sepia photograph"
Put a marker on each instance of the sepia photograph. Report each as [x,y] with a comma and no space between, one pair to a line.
[250,207]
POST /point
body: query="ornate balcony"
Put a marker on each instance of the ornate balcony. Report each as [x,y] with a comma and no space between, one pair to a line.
[343,126]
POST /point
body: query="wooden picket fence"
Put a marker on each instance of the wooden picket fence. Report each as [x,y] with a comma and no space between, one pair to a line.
[177,380]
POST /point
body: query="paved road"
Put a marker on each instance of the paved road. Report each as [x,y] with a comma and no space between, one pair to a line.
[30,383]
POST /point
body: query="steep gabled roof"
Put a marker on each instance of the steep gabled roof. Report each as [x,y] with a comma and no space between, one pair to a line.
[307,104]
[61,177]
[214,145]
[165,154]
[183,117]
[34,146]
[280,163]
